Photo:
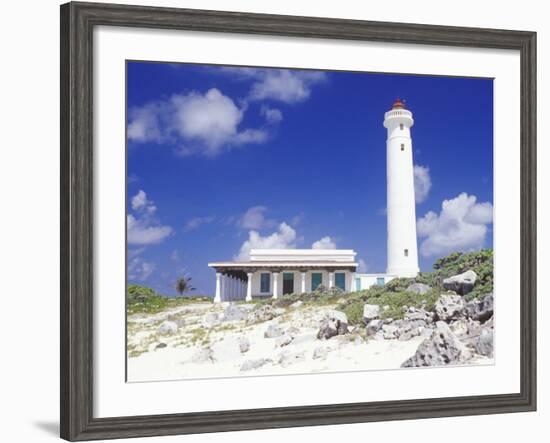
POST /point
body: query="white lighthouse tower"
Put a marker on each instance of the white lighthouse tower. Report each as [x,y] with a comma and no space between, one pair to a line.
[402,248]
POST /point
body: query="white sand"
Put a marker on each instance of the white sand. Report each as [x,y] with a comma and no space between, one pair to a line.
[176,361]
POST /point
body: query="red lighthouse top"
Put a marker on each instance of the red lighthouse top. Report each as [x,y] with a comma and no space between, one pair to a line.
[398,104]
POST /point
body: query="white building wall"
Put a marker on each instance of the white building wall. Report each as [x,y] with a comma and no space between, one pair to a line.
[401,214]
[369,280]
[256,282]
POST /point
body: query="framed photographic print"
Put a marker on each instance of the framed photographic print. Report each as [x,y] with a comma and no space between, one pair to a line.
[272,221]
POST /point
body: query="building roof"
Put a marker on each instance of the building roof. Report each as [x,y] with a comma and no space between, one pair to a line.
[338,255]
[292,259]
[293,263]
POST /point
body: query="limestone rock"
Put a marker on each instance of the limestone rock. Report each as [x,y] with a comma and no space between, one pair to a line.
[449,307]
[461,327]
[263,313]
[203,355]
[480,310]
[180,322]
[293,331]
[161,345]
[442,348]
[244,344]
[255,364]
[278,311]
[233,313]
[296,304]
[288,358]
[461,283]
[374,326]
[273,331]
[409,329]
[370,312]
[419,288]
[320,353]
[211,319]
[484,344]
[419,314]
[167,328]
[389,331]
[283,340]
[334,323]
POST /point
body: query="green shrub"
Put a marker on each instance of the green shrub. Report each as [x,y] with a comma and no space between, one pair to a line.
[354,312]
[141,299]
[481,262]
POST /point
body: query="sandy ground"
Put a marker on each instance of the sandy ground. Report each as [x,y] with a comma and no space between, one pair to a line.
[206,347]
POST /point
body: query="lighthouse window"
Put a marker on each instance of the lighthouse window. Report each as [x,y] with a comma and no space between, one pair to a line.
[406,252]
[402,147]
[401,126]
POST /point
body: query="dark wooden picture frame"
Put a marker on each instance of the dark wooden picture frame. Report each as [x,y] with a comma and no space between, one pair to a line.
[77,23]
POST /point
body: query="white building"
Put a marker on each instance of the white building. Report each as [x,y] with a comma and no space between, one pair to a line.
[275,272]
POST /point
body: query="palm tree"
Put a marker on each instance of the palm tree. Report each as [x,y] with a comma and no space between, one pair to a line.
[183,285]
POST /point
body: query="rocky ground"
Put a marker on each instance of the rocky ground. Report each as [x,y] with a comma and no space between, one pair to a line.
[303,335]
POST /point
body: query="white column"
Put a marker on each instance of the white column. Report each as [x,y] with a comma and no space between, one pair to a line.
[249,287]
[275,277]
[330,279]
[218,295]
[303,285]
[351,276]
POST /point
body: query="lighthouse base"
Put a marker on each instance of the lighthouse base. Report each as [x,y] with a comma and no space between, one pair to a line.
[403,272]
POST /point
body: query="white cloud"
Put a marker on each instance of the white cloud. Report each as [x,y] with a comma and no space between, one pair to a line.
[204,124]
[362,267]
[272,115]
[422,183]
[283,238]
[197,222]
[143,228]
[139,269]
[481,213]
[144,125]
[297,219]
[132,253]
[140,231]
[460,226]
[324,243]
[141,202]
[284,85]
[254,218]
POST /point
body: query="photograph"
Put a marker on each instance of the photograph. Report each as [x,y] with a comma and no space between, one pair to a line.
[296,221]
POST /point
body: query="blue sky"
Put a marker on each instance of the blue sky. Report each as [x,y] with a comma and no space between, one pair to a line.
[224,159]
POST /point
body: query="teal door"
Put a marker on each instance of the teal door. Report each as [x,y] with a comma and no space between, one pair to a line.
[357,284]
[340,280]
[316,280]
[288,283]
[265,282]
